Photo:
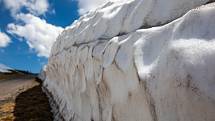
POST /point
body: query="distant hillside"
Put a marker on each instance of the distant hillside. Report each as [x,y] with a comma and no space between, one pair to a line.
[9,73]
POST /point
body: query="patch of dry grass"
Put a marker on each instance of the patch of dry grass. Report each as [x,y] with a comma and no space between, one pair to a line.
[7,107]
[8,117]
[6,111]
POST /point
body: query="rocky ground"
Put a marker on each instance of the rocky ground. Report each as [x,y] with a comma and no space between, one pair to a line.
[22,99]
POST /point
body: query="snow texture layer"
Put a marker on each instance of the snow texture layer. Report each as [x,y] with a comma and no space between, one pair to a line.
[4,69]
[113,65]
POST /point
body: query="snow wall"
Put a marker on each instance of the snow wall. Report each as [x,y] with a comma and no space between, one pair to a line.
[139,60]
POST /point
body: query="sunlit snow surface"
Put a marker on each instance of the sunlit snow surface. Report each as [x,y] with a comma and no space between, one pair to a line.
[4,68]
[139,60]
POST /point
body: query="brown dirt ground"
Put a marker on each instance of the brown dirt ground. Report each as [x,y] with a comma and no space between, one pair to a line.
[23,100]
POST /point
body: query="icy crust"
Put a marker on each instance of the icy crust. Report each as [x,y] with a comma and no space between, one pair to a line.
[122,17]
[162,73]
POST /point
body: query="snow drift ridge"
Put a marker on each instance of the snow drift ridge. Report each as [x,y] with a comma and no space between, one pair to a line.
[113,65]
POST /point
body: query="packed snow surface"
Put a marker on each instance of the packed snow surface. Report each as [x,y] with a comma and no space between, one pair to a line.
[139,60]
[4,68]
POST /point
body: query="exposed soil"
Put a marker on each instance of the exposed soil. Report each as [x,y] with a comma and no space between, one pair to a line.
[23,100]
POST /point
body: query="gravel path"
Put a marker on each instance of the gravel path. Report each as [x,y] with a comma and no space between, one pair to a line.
[10,88]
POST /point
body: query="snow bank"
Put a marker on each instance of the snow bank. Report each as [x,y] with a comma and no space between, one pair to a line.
[104,68]
[122,17]
[4,69]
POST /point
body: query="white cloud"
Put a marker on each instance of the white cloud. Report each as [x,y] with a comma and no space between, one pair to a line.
[39,34]
[4,39]
[36,7]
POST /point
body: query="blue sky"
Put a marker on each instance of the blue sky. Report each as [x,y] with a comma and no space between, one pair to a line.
[28,28]
[17,54]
